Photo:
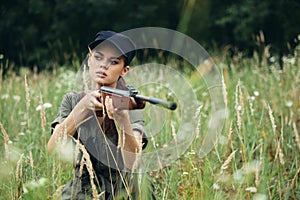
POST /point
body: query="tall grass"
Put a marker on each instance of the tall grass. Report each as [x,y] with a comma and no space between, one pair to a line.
[256,155]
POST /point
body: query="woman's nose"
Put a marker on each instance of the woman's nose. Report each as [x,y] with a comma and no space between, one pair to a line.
[104,64]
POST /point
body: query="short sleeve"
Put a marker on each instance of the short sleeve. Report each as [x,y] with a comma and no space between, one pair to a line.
[137,124]
[68,103]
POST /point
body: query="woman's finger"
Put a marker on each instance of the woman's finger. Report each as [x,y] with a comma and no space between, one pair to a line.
[109,107]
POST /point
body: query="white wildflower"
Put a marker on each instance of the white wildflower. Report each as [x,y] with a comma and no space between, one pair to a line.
[192,152]
[251,189]
[289,103]
[45,105]
[23,123]
[272,59]
[222,140]
[238,175]
[16,97]
[39,107]
[5,96]
[216,186]
[256,93]
[239,108]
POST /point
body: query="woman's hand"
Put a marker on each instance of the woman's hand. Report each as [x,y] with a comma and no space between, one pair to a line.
[125,103]
[92,100]
[113,111]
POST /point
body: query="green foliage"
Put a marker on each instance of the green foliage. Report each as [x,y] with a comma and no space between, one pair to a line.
[256,155]
[42,33]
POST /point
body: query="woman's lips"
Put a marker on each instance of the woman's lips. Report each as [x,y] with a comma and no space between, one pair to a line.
[101,74]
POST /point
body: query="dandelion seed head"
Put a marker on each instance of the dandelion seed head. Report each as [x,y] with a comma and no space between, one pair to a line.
[251,167]
[238,176]
[256,93]
[222,140]
[224,178]
[216,186]
[289,103]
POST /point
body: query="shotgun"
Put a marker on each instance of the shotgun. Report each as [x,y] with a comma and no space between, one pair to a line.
[132,92]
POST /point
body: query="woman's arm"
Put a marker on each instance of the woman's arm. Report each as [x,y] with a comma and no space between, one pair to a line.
[130,140]
[77,116]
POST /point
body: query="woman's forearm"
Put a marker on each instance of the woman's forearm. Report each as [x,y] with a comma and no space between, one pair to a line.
[130,141]
[68,127]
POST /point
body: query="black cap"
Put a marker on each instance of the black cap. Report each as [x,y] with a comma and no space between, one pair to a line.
[123,43]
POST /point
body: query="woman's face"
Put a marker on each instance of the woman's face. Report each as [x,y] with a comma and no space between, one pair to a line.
[106,66]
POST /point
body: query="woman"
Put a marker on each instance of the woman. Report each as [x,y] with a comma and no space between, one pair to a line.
[93,118]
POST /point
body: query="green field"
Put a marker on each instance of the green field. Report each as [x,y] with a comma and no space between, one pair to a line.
[256,156]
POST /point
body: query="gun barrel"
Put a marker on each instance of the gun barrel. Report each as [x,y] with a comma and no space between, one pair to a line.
[157,101]
[152,100]
[123,93]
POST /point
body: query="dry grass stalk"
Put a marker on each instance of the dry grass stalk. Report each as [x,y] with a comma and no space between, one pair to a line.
[19,175]
[224,91]
[272,119]
[297,138]
[31,159]
[173,130]
[58,192]
[241,98]
[86,160]
[1,72]
[293,183]
[27,94]
[238,106]
[227,162]
[281,156]
[19,172]
[198,118]
[84,77]
[230,136]
[42,114]
[6,140]
[259,164]
[251,107]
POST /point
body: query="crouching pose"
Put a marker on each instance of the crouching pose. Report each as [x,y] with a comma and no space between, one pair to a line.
[108,137]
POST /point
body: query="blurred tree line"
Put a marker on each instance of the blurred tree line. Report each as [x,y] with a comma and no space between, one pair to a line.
[43,32]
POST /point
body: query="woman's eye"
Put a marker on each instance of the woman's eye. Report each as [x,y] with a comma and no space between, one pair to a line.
[114,62]
[98,57]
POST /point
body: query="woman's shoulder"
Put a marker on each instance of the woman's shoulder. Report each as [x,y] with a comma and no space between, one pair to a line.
[73,97]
